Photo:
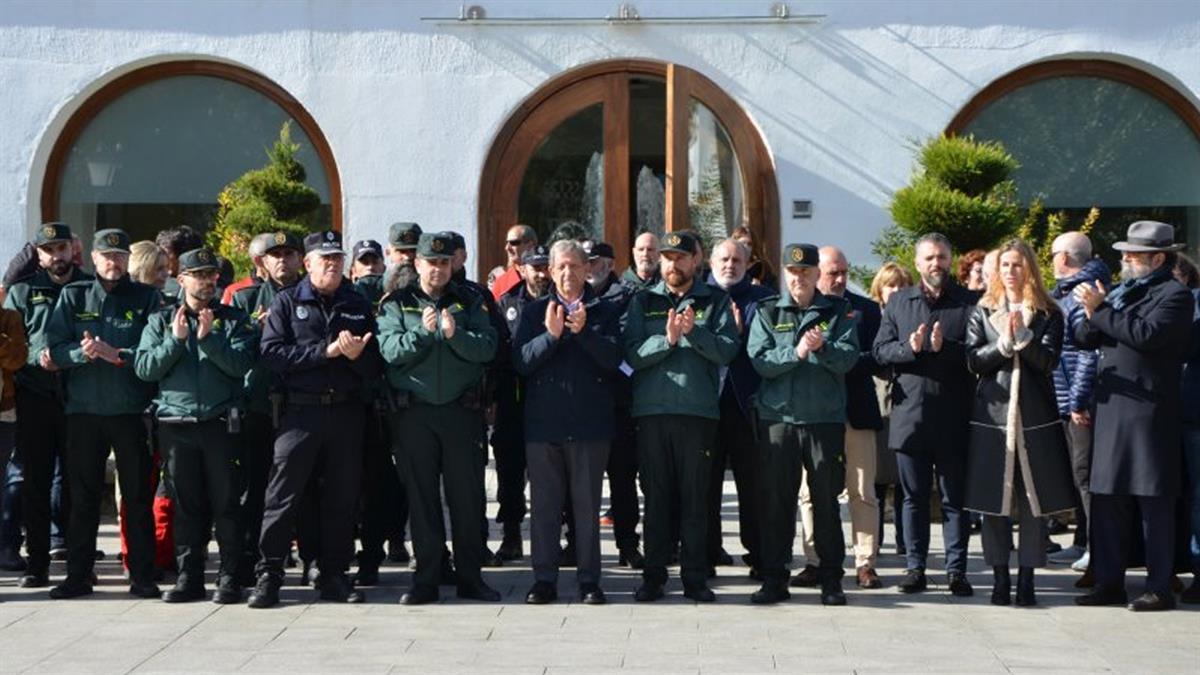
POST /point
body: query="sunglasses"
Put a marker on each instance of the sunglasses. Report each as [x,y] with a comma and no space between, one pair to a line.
[515,242]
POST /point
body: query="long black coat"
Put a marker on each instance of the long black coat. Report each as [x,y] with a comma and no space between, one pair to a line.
[1136,447]
[862,405]
[931,396]
[1041,459]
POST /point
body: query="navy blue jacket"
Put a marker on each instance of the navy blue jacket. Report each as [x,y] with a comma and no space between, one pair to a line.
[741,380]
[1075,377]
[862,405]
[1191,371]
[568,380]
[299,328]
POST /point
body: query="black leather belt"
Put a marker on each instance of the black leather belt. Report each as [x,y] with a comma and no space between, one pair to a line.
[308,398]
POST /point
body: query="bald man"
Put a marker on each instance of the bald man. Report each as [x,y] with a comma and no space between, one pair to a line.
[520,238]
[643,273]
[863,422]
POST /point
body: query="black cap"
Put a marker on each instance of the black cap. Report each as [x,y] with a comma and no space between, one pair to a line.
[198,259]
[538,255]
[459,242]
[51,233]
[365,246]
[679,242]
[111,239]
[800,255]
[404,235]
[600,249]
[273,240]
[328,242]
[435,245]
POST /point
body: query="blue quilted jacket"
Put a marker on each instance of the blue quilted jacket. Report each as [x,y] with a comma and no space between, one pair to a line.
[1076,372]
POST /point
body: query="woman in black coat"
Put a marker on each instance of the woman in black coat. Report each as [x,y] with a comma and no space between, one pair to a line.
[1017,463]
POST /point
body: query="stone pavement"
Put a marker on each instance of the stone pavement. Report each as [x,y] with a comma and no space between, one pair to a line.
[879,631]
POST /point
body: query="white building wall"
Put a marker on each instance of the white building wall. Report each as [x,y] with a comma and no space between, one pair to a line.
[410,108]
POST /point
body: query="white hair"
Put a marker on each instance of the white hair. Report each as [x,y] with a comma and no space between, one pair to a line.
[567,247]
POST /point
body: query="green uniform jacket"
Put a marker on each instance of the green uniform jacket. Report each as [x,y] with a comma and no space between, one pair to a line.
[201,379]
[812,391]
[117,317]
[435,369]
[683,379]
[34,297]
[254,300]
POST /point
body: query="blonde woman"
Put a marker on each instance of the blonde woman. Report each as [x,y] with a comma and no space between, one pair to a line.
[889,279]
[148,264]
[1017,463]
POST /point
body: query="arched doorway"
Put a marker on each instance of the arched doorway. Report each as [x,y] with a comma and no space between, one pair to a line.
[154,147]
[615,148]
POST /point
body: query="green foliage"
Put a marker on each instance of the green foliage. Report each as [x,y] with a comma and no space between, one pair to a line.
[965,165]
[271,199]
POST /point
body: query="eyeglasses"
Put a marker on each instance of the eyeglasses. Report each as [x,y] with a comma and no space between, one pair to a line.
[515,242]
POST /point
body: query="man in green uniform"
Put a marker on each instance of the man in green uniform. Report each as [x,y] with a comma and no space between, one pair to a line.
[678,336]
[436,340]
[41,423]
[198,353]
[92,335]
[802,343]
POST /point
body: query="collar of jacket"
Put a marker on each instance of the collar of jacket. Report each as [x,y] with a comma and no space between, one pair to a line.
[121,285]
[41,278]
[589,298]
[306,293]
[610,282]
[951,291]
[454,291]
[740,291]
[632,277]
[698,290]
[1093,270]
[819,301]
[521,292]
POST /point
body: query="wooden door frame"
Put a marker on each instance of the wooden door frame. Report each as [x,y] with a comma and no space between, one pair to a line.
[606,82]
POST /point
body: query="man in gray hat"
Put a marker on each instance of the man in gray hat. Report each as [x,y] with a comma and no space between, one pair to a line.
[1142,329]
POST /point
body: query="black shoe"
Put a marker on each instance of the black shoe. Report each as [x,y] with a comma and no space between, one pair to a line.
[699,593]
[367,575]
[228,592]
[591,594]
[184,591]
[336,587]
[1001,586]
[914,581]
[1152,602]
[1103,597]
[832,594]
[11,561]
[146,589]
[771,592]
[649,592]
[265,593]
[479,591]
[511,547]
[959,586]
[39,579]
[1192,595]
[632,558]
[756,575]
[309,574]
[806,578]
[58,553]
[1053,547]
[489,559]
[1025,594]
[722,558]
[70,589]
[420,595]
[568,559]
[397,551]
[542,593]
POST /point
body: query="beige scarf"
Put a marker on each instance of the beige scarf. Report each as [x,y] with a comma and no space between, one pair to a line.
[1014,435]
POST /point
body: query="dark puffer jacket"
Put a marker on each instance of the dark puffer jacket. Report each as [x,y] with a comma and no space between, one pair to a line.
[1075,375]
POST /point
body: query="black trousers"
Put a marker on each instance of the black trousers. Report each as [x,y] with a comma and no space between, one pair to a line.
[41,442]
[735,447]
[322,441]
[436,446]
[622,472]
[384,504]
[788,452]
[917,471]
[559,472]
[508,448]
[258,451]
[202,475]
[676,454]
[89,439]
[1113,532]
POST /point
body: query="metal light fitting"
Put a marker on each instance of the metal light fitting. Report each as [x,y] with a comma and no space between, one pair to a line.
[626,15]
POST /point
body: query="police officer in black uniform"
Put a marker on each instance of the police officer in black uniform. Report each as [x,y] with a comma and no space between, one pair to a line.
[41,422]
[319,338]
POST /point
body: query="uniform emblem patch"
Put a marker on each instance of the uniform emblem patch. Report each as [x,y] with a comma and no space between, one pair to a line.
[436,245]
[797,255]
[112,239]
[280,239]
[48,231]
[301,312]
[511,314]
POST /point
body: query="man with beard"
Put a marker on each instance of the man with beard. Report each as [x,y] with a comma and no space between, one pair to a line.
[622,457]
[1142,329]
[41,421]
[92,334]
[281,263]
[921,336]
[256,250]
[735,447]
[318,339]
[508,433]
[198,353]
[643,273]
[679,334]
[436,340]
[518,240]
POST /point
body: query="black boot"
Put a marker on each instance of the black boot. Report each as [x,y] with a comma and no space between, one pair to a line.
[1002,586]
[1025,595]
[511,547]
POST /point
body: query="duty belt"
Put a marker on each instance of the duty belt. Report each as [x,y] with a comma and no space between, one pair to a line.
[309,398]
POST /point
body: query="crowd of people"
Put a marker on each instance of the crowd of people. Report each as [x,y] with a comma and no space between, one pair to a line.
[314,404]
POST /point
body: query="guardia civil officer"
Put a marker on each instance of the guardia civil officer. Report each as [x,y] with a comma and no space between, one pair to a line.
[678,335]
[41,421]
[802,342]
[199,352]
[92,334]
[318,338]
[437,340]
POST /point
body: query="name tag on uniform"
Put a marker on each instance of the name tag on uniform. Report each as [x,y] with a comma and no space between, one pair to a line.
[354,317]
